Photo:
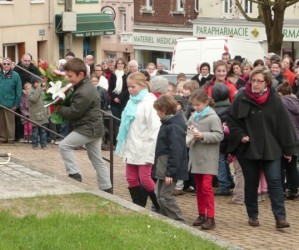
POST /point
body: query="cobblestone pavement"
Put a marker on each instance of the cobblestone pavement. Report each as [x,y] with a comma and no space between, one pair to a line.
[45,174]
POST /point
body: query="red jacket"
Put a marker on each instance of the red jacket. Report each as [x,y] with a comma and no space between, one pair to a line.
[288,74]
[231,87]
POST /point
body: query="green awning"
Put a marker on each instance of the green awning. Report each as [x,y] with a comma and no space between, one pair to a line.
[89,24]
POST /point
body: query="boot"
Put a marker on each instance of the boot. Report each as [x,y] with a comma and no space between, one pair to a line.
[153,197]
[136,195]
[144,195]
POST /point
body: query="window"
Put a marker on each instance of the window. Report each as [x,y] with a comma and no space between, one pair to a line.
[11,51]
[180,5]
[124,22]
[148,8]
[247,6]
[228,5]
[149,3]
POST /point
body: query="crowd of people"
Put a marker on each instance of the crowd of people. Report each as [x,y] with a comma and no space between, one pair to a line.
[173,137]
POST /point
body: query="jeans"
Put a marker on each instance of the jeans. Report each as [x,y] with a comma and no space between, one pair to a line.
[93,148]
[224,174]
[65,128]
[116,111]
[41,132]
[272,171]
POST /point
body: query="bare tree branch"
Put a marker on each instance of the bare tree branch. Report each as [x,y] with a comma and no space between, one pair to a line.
[248,18]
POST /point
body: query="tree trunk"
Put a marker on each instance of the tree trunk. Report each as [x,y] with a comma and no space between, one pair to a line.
[276,39]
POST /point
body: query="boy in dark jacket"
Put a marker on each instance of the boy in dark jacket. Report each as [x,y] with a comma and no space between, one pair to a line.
[171,162]
[87,123]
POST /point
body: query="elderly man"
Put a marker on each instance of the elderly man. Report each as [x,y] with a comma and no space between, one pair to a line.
[10,97]
[159,86]
[133,66]
[160,70]
[89,60]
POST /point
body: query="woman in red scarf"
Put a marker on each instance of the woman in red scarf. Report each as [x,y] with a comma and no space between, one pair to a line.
[260,134]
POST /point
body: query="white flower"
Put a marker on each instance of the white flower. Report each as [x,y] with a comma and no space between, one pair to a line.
[56,90]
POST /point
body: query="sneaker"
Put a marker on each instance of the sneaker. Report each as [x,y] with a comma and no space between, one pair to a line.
[44,147]
[282,223]
[52,141]
[57,142]
[208,224]
[22,140]
[76,177]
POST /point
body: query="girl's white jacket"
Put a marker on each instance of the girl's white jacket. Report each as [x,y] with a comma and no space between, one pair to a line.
[139,146]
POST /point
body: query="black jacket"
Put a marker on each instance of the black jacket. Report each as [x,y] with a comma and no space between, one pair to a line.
[171,158]
[25,76]
[203,80]
[124,94]
[268,127]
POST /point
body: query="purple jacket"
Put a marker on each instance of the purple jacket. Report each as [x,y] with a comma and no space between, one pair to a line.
[292,105]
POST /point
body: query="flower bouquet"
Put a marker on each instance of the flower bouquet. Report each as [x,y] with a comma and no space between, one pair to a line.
[57,90]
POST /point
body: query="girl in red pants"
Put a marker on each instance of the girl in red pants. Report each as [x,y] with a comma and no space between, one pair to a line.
[204,136]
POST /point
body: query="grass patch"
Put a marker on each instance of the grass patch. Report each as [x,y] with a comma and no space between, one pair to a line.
[85,221]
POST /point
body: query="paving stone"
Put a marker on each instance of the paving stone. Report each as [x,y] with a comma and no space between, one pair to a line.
[45,174]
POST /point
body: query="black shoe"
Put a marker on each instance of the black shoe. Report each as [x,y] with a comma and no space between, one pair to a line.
[76,177]
[292,196]
[109,190]
[222,193]
[254,222]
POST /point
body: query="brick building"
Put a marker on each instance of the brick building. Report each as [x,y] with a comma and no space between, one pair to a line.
[157,25]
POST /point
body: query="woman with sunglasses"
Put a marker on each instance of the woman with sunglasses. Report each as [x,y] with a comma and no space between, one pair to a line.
[260,134]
